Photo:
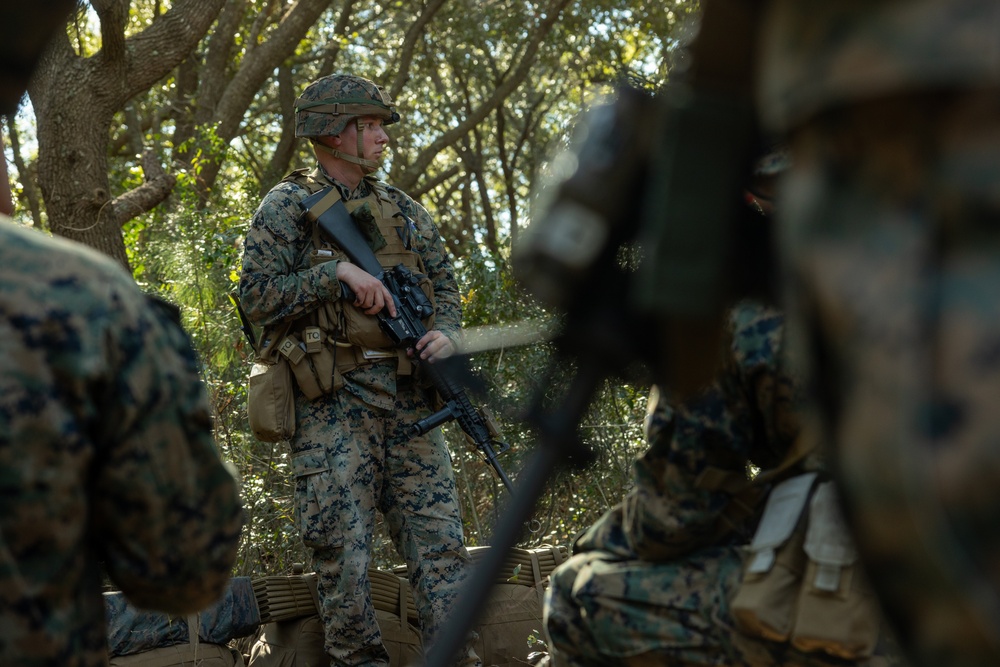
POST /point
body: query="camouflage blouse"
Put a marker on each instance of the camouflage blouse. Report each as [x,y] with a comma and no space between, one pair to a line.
[107,458]
[747,417]
[278,282]
[816,54]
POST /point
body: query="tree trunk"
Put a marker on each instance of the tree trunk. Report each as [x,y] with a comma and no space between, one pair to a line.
[72,159]
[75,100]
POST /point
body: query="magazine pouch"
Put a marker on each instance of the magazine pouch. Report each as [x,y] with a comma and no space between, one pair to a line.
[836,611]
[765,603]
[294,351]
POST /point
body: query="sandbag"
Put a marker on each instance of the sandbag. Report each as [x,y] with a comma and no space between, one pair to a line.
[397,618]
[513,613]
[298,642]
[293,634]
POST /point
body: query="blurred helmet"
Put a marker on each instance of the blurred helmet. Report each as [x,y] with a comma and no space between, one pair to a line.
[326,106]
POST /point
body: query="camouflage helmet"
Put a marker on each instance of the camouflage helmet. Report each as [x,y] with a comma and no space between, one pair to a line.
[326,106]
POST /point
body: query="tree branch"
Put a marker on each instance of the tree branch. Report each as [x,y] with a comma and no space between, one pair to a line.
[162,46]
[256,67]
[23,175]
[413,35]
[259,63]
[283,152]
[113,15]
[524,64]
[484,199]
[158,186]
[437,180]
[218,53]
[333,50]
[121,141]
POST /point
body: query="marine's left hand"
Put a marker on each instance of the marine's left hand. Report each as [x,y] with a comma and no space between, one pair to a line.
[434,346]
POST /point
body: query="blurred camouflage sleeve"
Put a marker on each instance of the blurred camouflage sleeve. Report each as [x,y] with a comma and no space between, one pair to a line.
[607,534]
[745,416]
[276,279]
[169,511]
[437,263]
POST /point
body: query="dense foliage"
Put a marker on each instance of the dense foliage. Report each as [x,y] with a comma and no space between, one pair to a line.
[489,92]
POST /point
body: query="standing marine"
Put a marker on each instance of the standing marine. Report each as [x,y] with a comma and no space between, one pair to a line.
[355,394]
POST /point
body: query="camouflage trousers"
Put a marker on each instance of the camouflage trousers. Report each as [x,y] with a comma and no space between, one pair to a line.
[890,229]
[350,460]
[602,611]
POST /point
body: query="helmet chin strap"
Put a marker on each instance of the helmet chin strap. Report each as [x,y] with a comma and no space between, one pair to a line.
[367,166]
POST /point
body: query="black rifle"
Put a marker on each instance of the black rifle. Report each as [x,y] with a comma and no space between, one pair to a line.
[404,330]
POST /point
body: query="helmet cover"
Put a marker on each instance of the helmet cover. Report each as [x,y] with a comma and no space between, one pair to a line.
[326,106]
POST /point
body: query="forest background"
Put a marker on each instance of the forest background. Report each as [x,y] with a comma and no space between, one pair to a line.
[153,128]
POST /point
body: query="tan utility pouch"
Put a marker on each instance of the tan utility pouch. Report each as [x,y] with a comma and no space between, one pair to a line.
[361,329]
[270,401]
[801,582]
[321,358]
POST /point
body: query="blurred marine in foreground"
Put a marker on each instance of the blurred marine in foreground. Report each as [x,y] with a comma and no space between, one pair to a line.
[889,236]
[699,565]
[106,450]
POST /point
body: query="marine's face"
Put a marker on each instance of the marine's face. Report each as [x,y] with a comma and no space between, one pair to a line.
[374,138]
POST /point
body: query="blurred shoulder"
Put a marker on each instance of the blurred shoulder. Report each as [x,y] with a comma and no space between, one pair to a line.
[28,256]
[50,279]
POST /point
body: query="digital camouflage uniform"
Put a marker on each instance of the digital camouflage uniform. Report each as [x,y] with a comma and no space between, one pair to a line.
[106,455]
[891,237]
[650,583]
[351,451]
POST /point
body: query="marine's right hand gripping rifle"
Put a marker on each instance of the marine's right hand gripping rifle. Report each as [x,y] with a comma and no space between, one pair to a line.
[406,328]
